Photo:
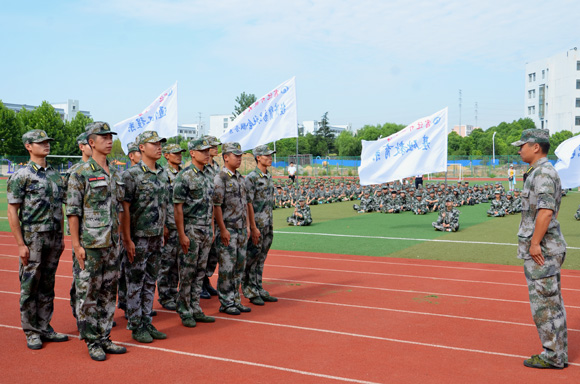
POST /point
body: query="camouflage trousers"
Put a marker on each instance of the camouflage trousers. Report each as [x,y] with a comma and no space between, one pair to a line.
[96,291]
[232,262]
[255,258]
[141,275]
[122,284]
[168,274]
[547,308]
[192,268]
[37,280]
[212,258]
[73,287]
[500,212]
[454,227]
[298,221]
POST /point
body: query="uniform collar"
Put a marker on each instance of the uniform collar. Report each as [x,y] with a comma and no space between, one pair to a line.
[262,174]
[146,169]
[37,168]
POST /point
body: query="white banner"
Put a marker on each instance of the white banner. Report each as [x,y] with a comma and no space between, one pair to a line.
[160,116]
[272,117]
[568,165]
[418,149]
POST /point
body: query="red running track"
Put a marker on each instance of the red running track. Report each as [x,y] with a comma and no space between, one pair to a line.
[340,318]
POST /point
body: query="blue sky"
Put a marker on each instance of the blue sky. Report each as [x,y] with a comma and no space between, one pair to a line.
[365,62]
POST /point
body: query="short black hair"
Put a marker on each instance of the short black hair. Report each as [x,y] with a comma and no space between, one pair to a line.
[545,147]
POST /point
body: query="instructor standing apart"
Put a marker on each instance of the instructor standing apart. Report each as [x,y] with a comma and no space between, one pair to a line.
[543,249]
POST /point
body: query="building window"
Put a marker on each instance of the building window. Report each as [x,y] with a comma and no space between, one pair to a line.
[543,74]
[577,84]
[530,78]
[577,120]
[577,103]
[225,125]
[578,65]
[225,119]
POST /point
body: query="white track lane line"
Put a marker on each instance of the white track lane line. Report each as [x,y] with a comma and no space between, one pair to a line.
[226,360]
[400,238]
[409,276]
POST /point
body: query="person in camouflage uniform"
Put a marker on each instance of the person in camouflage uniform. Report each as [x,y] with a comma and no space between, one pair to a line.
[231,216]
[432,201]
[145,206]
[94,199]
[213,169]
[420,206]
[168,274]
[302,215]
[134,156]
[448,220]
[193,199]
[35,196]
[542,247]
[497,206]
[260,197]
[86,152]
[367,203]
[577,214]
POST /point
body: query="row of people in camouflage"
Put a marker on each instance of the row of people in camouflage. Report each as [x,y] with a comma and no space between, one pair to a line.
[143,226]
[501,206]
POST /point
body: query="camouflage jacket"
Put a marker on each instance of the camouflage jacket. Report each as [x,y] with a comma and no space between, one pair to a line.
[448,217]
[495,205]
[96,198]
[170,217]
[367,203]
[422,205]
[65,179]
[305,212]
[542,190]
[230,194]
[148,194]
[260,193]
[194,189]
[212,170]
[40,193]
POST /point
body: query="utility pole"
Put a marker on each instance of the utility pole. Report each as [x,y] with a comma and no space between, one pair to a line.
[476,114]
[199,129]
[460,110]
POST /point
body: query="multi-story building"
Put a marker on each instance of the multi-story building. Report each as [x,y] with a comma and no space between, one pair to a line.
[552,92]
[190,131]
[67,110]
[218,124]
[312,126]
[464,130]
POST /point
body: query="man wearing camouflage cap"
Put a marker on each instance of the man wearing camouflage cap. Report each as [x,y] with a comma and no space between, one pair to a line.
[302,215]
[86,152]
[94,203]
[213,169]
[448,220]
[542,247]
[145,205]
[35,195]
[260,196]
[193,199]
[231,216]
[168,274]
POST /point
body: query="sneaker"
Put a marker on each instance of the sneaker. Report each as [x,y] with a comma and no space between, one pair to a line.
[537,362]
[269,299]
[141,335]
[155,333]
[257,300]
[96,352]
[33,341]
[112,348]
[202,318]
[188,322]
[170,306]
[211,290]
[243,308]
[53,336]
[230,310]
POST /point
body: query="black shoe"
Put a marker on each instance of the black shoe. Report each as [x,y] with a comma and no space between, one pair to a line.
[257,300]
[122,306]
[202,318]
[204,294]
[114,323]
[269,299]
[153,313]
[170,305]
[230,310]
[207,284]
[243,308]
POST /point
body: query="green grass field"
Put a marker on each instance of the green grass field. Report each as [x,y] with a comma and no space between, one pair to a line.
[365,234]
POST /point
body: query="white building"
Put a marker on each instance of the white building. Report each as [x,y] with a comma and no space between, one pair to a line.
[464,130]
[191,131]
[67,110]
[218,124]
[311,126]
[552,92]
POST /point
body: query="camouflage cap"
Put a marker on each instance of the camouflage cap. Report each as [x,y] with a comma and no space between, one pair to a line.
[35,136]
[200,144]
[234,148]
[213,141]
[132,147]
[509,193]
[172,148]
[82,138]
[149,137]
[533,136]
[98,128]
[449,200]
[301,198]
[262,150]
[497,192]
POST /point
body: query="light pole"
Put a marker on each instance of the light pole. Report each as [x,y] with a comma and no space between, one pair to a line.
[493,149]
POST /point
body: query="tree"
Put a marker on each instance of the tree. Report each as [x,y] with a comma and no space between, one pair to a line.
[10,133]
[347,144]
[325,133]
[46,118]
[558,138]
[74,128]
[117,149]
[242,103]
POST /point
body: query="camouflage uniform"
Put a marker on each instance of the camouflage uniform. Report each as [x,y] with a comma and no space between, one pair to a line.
[168,274]
[542,190]
[498,206]
[304,220]
[147,192]
[95,197]
[230,194]
[577,214]
[40,193]
[420,207]
[194,189]
[259,193]
[447,217]
[367,204]
[212,170]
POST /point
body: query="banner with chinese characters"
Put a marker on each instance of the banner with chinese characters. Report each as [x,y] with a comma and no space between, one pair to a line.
[568,165]
[160,116]
[272,117]
[418,149]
